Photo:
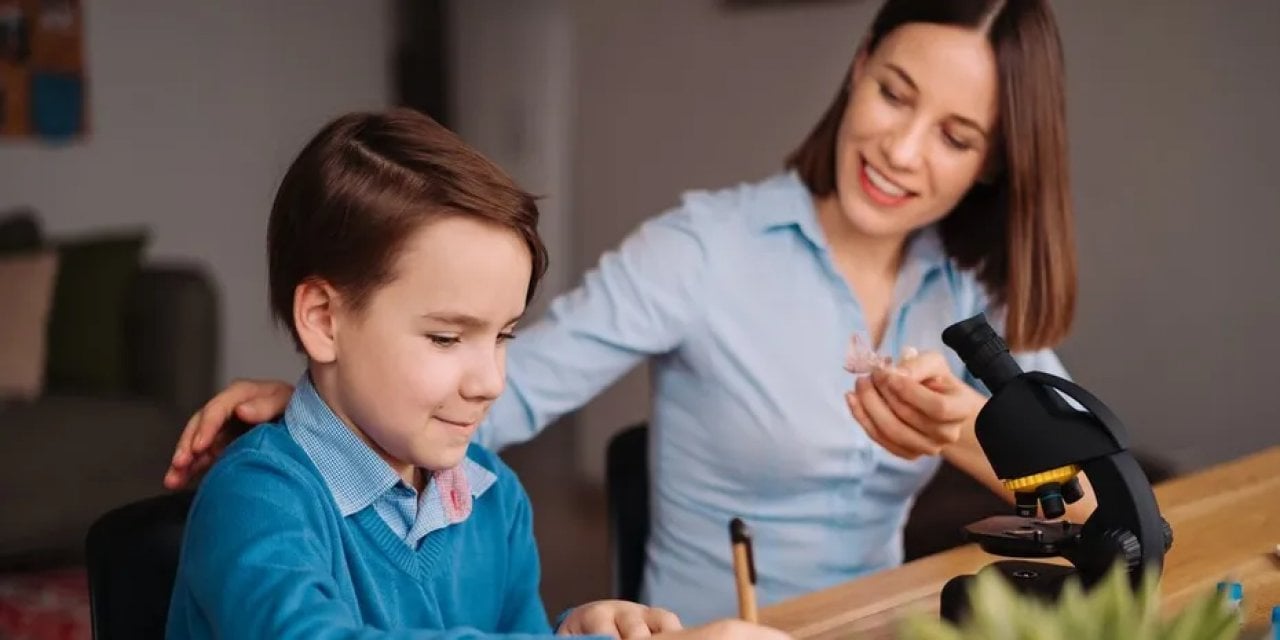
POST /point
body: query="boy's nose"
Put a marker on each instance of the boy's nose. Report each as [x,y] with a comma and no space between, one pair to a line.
[486,379]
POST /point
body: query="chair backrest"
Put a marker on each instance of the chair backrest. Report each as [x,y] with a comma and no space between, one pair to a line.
[132,558]
[627,486]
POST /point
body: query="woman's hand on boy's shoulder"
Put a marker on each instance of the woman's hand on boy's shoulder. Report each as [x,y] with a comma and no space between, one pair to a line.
[625,620]
[227,415]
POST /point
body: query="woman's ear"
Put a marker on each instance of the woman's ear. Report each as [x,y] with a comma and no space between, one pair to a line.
[859,64]
[315,307]
[856,69]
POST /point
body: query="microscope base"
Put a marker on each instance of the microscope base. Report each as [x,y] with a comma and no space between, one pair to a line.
[1036,578]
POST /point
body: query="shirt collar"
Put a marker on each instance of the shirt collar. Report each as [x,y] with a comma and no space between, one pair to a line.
[355,475]
[789,203]
[925,255]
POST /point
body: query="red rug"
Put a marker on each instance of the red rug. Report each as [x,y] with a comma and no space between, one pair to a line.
[46,605]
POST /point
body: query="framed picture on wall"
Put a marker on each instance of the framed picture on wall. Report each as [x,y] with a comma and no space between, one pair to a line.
[42,70]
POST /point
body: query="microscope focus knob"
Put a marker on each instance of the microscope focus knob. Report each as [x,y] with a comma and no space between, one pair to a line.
[1168,533]
[1119,543]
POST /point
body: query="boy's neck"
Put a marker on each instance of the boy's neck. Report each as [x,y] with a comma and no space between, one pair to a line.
[323,384]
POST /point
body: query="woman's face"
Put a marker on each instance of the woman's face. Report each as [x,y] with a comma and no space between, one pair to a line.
[919,126]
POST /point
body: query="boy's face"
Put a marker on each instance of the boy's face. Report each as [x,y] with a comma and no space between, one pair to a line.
[418,367]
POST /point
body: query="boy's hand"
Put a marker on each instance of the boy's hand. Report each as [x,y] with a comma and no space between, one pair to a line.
[625,620]
[727,630]
[620,619]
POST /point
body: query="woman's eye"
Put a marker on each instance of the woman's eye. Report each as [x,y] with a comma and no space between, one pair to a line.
[957,143]
[506,337]
[889,95]
[443,341]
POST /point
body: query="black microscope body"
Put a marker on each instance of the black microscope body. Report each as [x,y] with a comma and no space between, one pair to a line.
[1038,443]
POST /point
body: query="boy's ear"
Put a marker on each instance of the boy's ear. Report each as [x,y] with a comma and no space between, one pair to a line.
[315,305]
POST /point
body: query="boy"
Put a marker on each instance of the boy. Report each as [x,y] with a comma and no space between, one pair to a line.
[400,260]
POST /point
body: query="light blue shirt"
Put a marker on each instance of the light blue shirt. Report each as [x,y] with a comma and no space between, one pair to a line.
[735,299]
[357,477]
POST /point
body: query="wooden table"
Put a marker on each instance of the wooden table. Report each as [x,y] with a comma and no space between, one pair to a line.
[1225,519]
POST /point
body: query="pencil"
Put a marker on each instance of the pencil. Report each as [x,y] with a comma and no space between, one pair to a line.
[744,569]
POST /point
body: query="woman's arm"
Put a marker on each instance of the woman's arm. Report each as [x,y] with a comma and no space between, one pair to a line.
[640,300]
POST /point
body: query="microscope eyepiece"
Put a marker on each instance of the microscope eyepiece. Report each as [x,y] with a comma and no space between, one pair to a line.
[983,351]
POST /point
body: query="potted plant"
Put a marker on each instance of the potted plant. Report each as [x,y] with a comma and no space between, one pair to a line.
[1112,610]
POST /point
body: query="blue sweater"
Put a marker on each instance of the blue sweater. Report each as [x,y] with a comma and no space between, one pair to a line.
[267,554]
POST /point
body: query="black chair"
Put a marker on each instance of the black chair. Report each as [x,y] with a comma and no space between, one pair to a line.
[951,500]
[132,558]
[627,484]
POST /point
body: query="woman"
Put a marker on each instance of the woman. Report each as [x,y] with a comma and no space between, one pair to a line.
[934,187]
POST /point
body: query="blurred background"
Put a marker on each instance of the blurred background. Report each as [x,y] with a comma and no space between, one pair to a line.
[167,128]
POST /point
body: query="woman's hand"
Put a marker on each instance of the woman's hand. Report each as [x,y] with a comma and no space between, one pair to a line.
[915,408]
[221,420]
[920,408]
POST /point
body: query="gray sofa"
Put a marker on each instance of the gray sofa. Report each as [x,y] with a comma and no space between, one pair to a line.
[66,458]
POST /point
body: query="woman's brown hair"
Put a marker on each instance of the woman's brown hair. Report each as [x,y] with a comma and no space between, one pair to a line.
[359,189]
[1014,230]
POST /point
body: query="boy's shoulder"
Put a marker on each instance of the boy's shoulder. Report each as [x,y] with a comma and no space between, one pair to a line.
[266,458]
[267,440]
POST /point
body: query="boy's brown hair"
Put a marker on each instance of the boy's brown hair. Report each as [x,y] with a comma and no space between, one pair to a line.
[359,189]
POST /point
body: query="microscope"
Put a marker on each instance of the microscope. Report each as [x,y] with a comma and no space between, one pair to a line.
[1038,444]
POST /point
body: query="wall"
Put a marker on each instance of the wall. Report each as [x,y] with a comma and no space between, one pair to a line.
[1173,125]
[511,69]
[1172,107]
[676,95]
[196,109]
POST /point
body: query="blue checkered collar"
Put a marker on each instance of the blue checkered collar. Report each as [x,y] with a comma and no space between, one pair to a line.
[356,476]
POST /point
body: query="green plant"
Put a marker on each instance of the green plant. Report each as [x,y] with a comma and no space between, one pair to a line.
[1110,611]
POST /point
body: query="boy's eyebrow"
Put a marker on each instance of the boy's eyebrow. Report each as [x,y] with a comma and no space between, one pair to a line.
[464,320]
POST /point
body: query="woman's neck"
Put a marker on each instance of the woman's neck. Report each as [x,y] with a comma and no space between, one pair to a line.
[869,256]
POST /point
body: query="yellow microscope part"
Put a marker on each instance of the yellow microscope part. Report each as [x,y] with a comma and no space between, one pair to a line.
[1060,475]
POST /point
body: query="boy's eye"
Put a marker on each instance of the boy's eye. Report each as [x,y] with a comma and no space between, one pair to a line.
[506,337]
[443,341]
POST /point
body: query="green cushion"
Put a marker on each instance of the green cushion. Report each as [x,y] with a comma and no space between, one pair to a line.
[19,232]
[86,351]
